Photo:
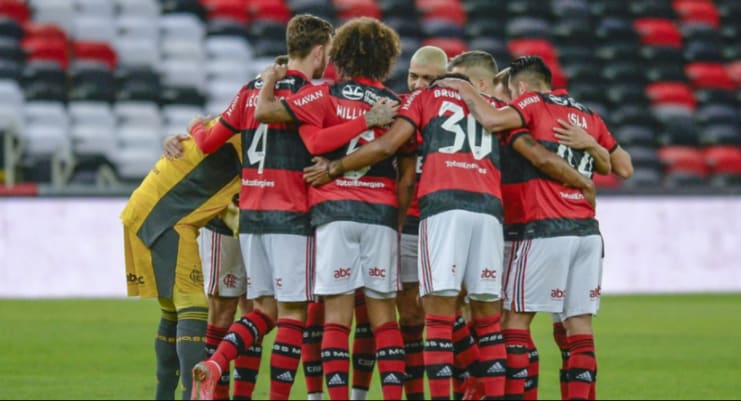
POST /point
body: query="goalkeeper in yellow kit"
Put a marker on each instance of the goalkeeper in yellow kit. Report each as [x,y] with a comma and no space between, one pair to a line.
[161,223]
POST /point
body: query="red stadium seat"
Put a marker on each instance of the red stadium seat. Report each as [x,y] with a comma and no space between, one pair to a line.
[661,93]
[236,10]
[538,47]
[658,32]
[559,79]
[709,75]
[55,50]
[276,10]
[451,46]
[683,159]
[15,9]
[723,159]
[95,51]
[44,30]
[734,71]
[445,9]
[347,9]
[697,11]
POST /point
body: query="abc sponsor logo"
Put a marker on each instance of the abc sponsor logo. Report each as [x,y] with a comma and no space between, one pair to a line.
[487,274]
[558,293]
[342,273]
[377,272]
[279,282]
[133,278]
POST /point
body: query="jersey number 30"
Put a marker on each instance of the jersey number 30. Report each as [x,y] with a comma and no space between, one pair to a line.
[474,132]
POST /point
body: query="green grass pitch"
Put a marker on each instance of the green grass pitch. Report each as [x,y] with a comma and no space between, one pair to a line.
[648,347]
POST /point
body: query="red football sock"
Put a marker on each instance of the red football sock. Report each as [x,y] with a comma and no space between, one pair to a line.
[336,360]
[391,360]
[246,369]
[466,355]
[364,346]
[438,355]
[559,335]
[517,362]
[533,371]
[244,333]
[311,350]
[492,367]
[214,335]
[414,385]
[582,366]
[285,358]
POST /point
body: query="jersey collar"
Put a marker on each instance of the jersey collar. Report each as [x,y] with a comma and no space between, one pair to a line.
[299,73]
[368,82]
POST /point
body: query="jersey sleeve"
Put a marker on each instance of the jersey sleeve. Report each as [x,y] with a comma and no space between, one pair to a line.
[411,110]
[528,105]
[211,136]
[319,141]
[509,137]
[604,137]
[309,105]
[233,115]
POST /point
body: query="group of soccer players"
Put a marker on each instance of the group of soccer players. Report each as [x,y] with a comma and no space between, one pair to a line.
[445,199]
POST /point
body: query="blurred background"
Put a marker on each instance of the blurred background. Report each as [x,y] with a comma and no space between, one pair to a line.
[89,88]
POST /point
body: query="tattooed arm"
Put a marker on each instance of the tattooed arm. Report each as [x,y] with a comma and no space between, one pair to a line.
[553,165]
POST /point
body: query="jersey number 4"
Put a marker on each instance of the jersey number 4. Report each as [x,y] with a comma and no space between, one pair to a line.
[474,133]
[256,151]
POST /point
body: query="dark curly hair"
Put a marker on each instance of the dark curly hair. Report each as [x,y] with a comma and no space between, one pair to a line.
[304,32]
[365,48]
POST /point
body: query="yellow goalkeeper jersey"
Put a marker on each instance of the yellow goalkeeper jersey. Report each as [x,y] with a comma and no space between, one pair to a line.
[192,190]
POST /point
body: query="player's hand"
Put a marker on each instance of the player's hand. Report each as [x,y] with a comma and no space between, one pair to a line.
[573,136]
[382,113]
[318,173]
[453,83]
[172,146]
[274,73]
[590,195]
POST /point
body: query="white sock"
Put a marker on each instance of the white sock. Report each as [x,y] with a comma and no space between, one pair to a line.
[315,396]
[358,394]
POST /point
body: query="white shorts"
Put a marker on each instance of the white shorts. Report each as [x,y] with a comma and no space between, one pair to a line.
[223,269]
[279,265]
[352,255]
[560,275]
[461,247]
[408,249]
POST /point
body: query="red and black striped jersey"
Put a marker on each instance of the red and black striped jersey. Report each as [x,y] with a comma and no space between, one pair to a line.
[460,165]
[367,195]
[536,205]
[274,195]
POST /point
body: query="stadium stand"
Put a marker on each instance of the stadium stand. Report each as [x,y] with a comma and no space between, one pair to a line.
[99,83]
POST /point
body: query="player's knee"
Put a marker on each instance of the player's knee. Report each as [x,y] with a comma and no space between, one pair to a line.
[222,310]
[267,305]
[484,305]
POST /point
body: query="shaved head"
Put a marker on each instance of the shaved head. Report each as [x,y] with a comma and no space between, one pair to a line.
[427,63]
[430,55]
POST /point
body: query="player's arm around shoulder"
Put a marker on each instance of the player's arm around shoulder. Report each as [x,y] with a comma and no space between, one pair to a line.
[553,165]
[575,137]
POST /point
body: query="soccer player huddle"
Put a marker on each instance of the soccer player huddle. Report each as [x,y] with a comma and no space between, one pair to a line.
[440,221]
